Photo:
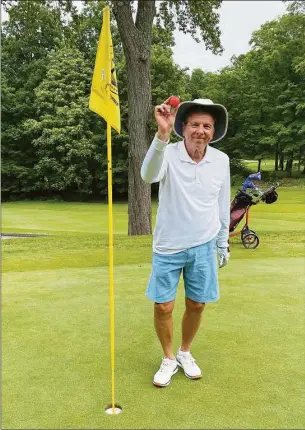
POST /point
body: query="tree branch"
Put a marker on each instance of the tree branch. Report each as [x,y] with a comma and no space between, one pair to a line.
[127,29]
[135,37]
[145,15]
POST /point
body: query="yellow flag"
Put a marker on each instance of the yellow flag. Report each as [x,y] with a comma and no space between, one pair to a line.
[104,97]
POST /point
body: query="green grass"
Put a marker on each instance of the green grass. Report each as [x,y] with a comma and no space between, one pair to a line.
[55,326]
[265,165]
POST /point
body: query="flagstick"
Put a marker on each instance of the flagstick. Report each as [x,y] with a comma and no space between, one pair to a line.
[104,100]
[111,283]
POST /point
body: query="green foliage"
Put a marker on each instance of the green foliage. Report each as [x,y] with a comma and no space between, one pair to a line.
[32,31]
[64,143]
[263,92]
[167,79]
[194,16]
[51,143]
[295,6]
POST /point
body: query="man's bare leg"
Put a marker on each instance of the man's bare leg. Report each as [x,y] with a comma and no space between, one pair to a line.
[164,326]
[191,322]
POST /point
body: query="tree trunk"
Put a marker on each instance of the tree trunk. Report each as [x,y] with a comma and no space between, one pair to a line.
[136,41]
[139,193]
[276,159]
[302,157]
[259,165]
[282,162]
[289,165]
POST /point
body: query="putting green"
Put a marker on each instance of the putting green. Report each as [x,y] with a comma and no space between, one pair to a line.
[55,327]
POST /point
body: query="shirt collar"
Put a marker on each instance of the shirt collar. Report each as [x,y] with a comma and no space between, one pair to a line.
[183,155]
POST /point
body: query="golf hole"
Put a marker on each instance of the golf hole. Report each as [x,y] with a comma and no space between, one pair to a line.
[113,411]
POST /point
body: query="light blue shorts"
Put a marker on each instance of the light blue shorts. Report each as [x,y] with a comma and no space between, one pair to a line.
[200,274]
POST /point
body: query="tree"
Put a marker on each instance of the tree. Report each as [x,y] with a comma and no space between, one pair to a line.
[263,92]
[296,6]
[291,108]
[279,49]
[32,31]
[135,29]
[35,68]
[68,156]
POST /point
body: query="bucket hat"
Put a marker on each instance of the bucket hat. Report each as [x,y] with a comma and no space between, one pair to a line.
[218,111]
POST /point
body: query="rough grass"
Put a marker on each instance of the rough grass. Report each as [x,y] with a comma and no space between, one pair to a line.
[55,326]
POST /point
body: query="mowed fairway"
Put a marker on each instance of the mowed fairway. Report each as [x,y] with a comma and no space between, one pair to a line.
[55,326]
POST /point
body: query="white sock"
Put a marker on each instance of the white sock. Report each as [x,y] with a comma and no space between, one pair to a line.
[183,352]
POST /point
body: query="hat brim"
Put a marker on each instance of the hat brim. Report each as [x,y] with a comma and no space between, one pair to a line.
[218,111]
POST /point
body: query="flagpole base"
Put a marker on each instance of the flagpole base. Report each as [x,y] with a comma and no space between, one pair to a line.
[113,411]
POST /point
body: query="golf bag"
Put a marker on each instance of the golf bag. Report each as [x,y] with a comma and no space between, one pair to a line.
[241,205]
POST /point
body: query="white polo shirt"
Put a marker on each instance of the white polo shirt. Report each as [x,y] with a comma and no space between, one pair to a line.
[194,198]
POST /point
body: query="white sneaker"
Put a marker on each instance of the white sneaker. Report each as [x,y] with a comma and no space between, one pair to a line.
[187,362]
[167,369]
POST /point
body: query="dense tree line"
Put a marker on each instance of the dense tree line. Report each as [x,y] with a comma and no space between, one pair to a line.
[53,144]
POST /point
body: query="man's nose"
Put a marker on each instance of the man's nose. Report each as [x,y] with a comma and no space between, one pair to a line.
[200,129]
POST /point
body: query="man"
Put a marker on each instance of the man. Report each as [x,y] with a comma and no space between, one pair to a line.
[192,222]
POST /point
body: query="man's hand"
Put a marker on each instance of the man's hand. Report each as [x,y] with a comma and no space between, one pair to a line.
[223,256]
[165,117]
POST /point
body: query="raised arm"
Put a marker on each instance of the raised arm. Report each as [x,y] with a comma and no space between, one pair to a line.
[154,166]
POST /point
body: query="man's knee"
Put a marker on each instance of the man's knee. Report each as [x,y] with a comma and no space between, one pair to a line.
[192,306]
[163,309]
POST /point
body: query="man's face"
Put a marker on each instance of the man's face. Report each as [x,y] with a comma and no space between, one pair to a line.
[199,129]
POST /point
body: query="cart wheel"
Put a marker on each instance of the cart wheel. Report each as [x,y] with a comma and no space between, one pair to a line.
[250,241]
[245,232]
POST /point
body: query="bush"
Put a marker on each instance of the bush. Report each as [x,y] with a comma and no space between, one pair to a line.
[280,174]
[237,180]
[237,167]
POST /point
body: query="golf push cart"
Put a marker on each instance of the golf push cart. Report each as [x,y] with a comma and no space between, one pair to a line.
[248,196]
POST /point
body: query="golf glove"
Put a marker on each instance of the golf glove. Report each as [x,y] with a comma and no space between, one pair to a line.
[223,256]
